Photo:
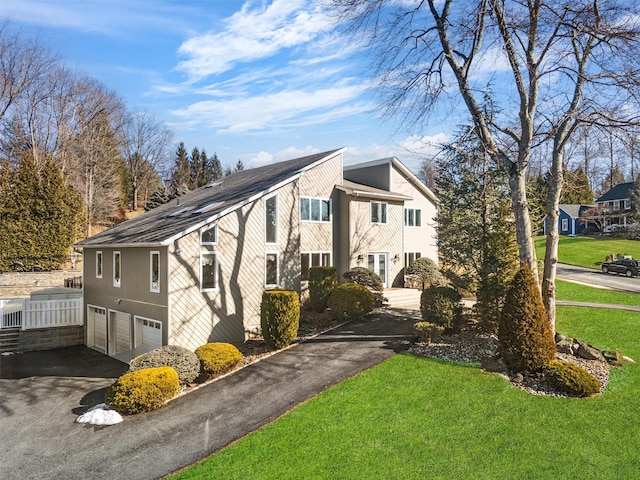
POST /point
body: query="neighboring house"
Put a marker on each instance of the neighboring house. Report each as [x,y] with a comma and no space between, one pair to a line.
[193,270]
[617,205]
[569,222]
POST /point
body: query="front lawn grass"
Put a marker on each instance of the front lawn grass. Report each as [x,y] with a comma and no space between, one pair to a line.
[586,251]
[583,293]
[418,418]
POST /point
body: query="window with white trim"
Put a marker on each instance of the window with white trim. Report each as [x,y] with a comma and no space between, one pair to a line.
[98,264]
[208,271]
[378,212]
[271,219]
[209,236]
[271,270]
[117,273]
[565,224]
[315,209]
[412,217]
[154,272]
[410,257]
[313,259]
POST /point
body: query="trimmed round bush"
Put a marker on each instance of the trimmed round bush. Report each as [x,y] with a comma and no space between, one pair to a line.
[143,390]
[322,281]
[427,270]
[350,301]
[571,379]
[279,317]
[364,276]
[181,359]
[441,305]
[217,358]
[525,339]
[428,331]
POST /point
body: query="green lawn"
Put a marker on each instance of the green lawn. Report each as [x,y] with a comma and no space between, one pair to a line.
[417,418]
[582,293]
[586,251]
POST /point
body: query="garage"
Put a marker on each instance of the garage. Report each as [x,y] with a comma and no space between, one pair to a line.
[97,328]
[148,334]
[119,332]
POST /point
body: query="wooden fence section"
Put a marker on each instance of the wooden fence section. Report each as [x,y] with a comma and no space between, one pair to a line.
[30,314]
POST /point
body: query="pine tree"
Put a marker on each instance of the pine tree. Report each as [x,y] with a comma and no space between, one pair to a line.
[196,168]
[157,198]
[239,166]
[216,168]
[475,226]
[181,171]
[576,190]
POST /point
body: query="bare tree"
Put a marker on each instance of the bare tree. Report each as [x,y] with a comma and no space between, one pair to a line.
[561,63]
[22,63]
[145,142]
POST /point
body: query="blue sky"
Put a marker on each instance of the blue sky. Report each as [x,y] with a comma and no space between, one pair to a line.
[259,81]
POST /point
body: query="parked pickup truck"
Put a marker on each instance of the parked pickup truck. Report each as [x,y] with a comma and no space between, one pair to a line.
[629,267]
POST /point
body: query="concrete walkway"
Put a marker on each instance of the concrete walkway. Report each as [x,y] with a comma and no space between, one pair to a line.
[43,442]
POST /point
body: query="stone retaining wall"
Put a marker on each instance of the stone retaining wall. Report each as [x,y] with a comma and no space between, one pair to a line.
[21,284]
[49,338]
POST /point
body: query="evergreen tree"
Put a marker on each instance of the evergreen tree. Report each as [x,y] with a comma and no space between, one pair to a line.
[181,171]
[239,166]
[196,168]
[157,198]
[216,168]
[576,190]
[475,225]
[39,214]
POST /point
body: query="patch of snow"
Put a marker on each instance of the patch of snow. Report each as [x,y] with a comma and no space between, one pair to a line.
[4,354]
[100,415]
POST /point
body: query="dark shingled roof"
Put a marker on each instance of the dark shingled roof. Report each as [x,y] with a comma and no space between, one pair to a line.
[619,192]
[189,212]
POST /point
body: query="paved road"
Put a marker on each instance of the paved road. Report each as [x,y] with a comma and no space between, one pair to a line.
[597,278]
[38,438]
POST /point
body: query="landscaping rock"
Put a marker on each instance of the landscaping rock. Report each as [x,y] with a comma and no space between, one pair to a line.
[565,345]
[492,364]
[614,357]
[588,352]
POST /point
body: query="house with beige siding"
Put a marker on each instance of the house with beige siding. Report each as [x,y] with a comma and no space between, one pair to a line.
[193,270]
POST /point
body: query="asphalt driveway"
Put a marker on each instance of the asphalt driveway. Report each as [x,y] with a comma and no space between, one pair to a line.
[42,393]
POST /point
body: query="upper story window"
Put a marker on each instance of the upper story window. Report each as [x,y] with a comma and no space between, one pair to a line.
[98,264]
[208,271]
[271,219]
[116,269]
[565,224]
[315,209]
[412,217]
[627,204]
[378,212]
[209,236]
[154,272]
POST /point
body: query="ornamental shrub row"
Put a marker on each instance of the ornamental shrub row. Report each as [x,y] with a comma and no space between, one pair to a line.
[155,377]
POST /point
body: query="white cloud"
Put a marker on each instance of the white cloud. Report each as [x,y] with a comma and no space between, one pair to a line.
[242,114]
[255,32]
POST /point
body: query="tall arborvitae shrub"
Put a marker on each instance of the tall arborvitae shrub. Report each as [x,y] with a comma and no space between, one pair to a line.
[279,317]
[322,281]
[525,338]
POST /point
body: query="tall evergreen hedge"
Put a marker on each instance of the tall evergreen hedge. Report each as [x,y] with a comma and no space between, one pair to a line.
[525,338]
[322,281]
[279,317]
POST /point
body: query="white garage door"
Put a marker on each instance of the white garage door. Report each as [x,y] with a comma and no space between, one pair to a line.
[120,333]
[97,328]
[151,331]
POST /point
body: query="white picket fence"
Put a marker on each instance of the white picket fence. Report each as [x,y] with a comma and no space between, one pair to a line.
[28,314]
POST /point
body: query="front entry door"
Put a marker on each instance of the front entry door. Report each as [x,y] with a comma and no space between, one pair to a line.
[378,263]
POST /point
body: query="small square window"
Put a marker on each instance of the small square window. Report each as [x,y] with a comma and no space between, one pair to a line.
[378,212]
[209,236]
